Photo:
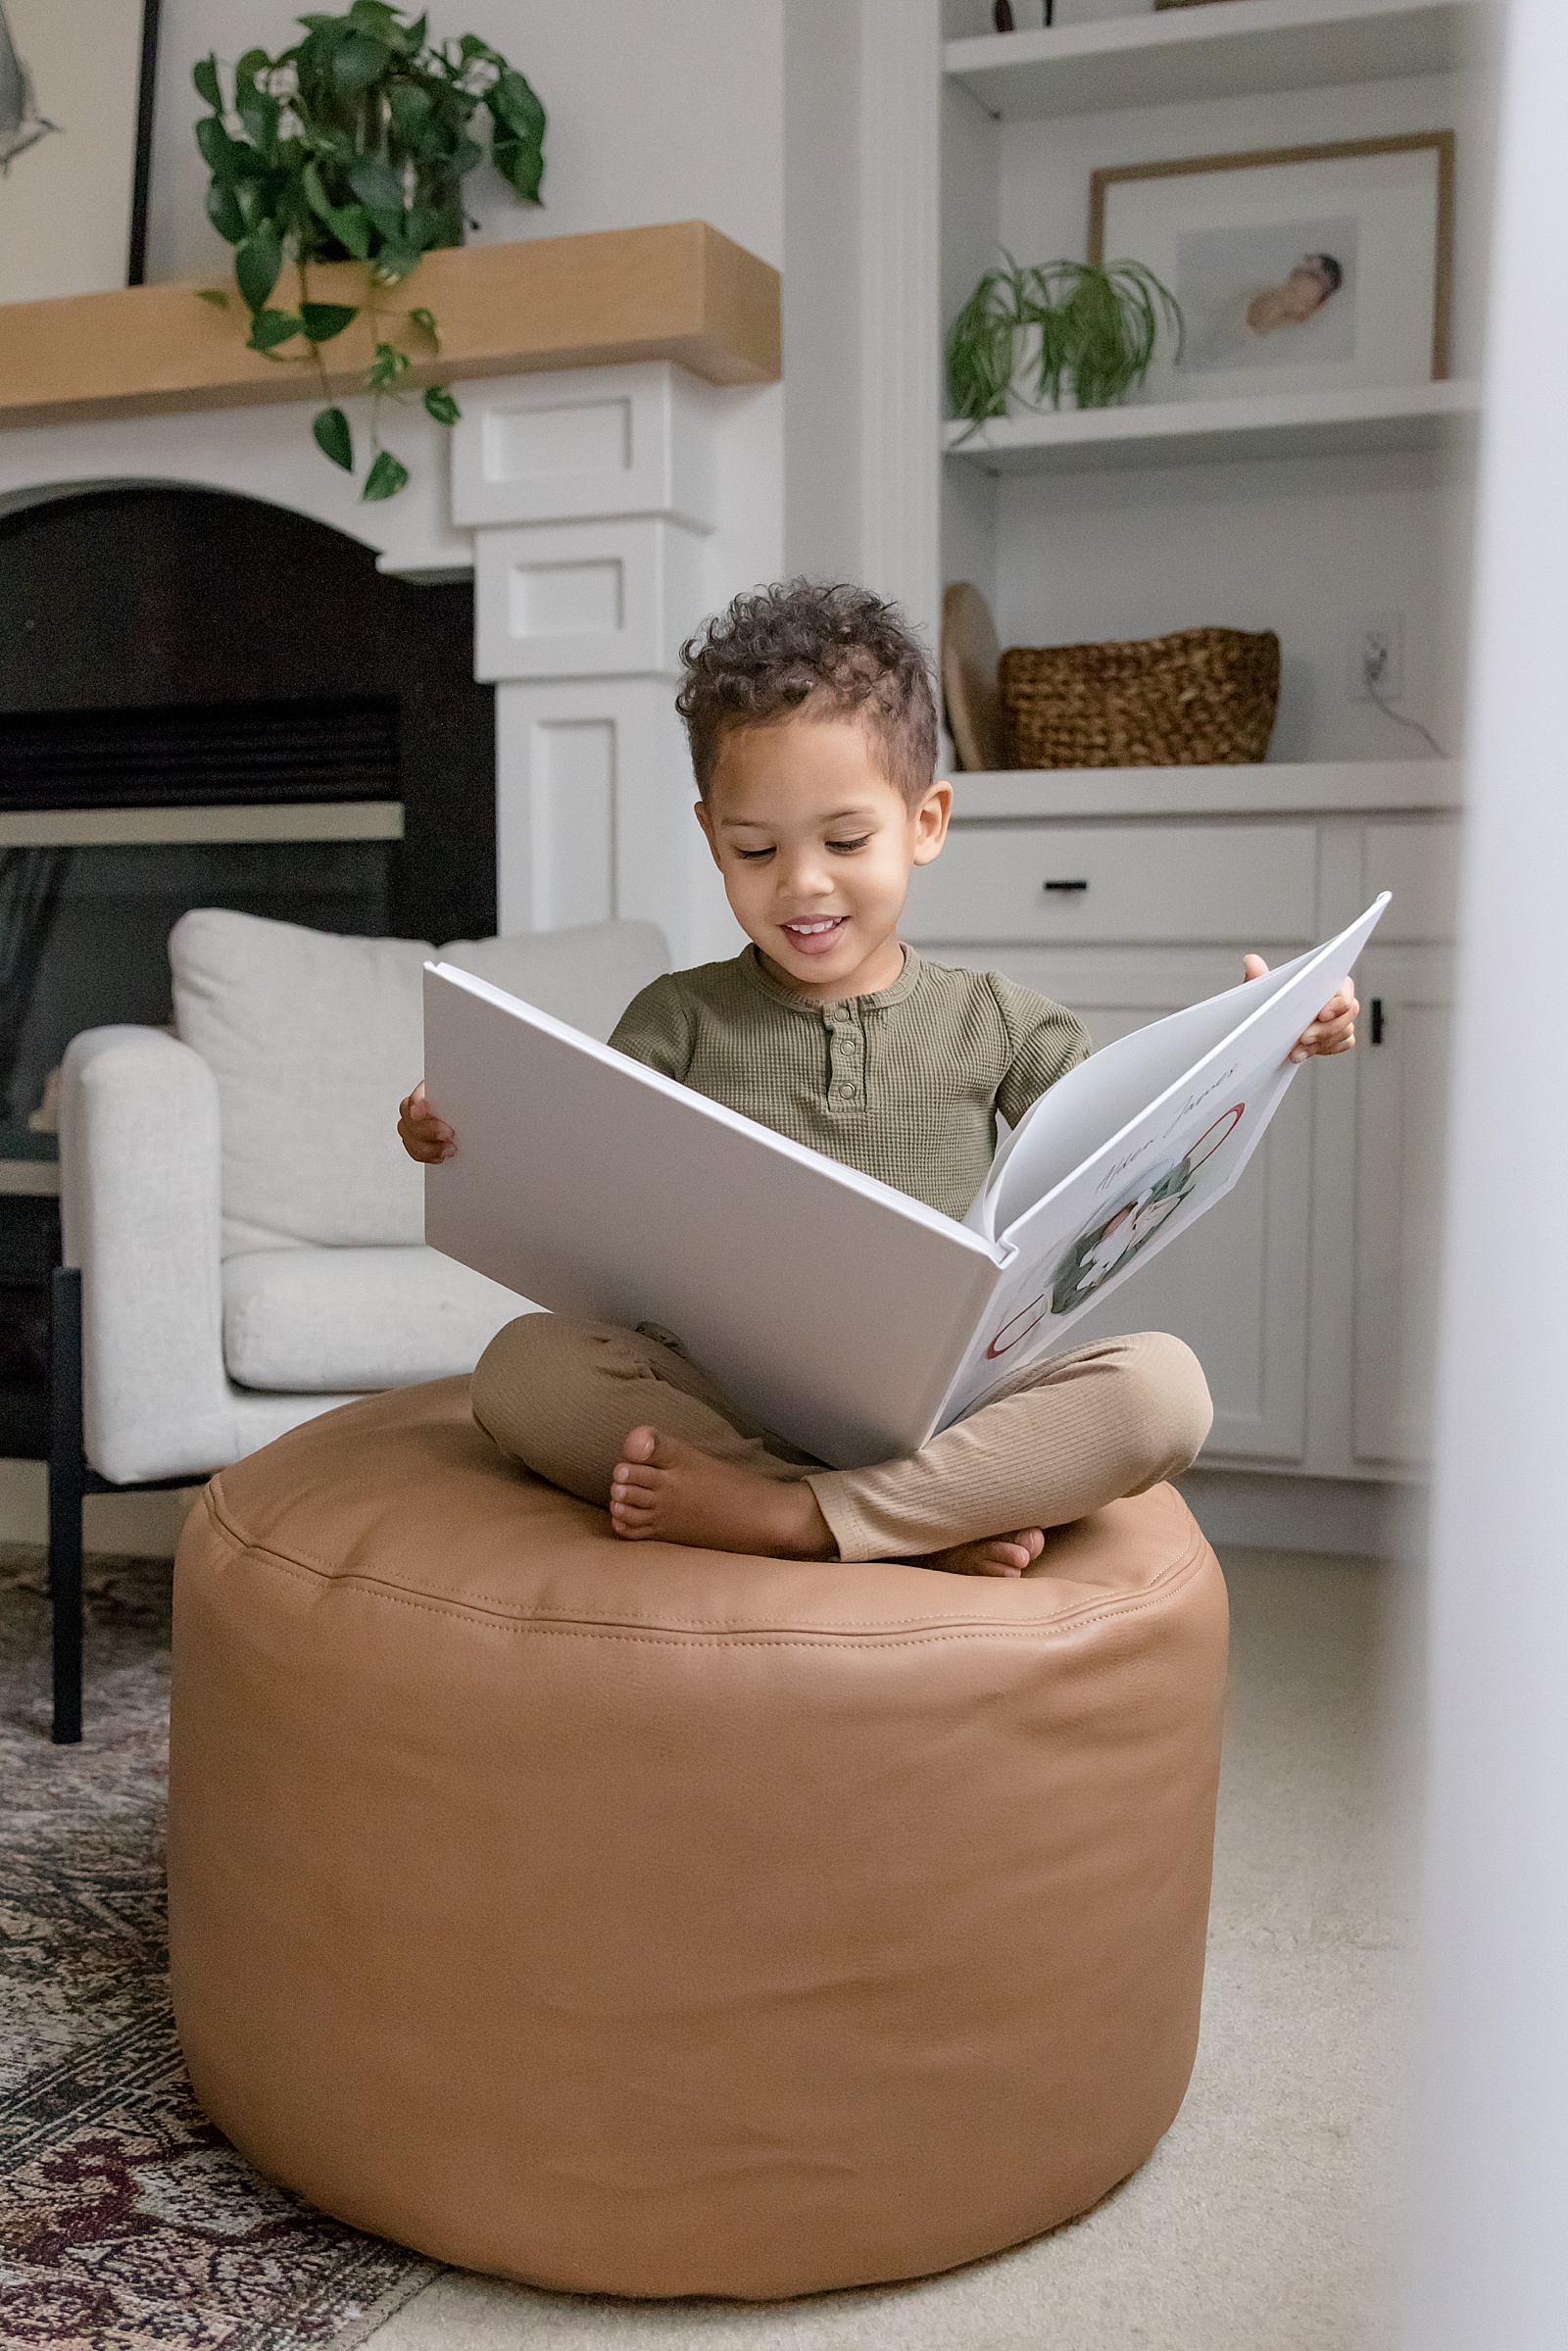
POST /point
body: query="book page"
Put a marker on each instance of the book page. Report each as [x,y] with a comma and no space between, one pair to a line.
[1074,1117]
[1156,1172]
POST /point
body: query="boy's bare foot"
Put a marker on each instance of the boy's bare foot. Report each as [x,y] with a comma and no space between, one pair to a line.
[998,1555]
[666,1491]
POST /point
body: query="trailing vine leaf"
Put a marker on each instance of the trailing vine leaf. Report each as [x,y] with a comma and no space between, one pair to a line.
[333,437]
[269,329]
[377,186]
[387,478]
[258,265]
[388,364]
[358,61]
[439,404]
[352,145]
[222,209]
[321,321]
[394,263]
[214,295]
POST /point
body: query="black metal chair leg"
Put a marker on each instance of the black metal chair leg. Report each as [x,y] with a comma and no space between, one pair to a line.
[68,1484]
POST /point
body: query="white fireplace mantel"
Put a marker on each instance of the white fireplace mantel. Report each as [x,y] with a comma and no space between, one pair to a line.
[601,510]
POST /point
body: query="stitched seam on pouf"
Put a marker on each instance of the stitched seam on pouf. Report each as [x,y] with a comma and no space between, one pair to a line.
[695,1636]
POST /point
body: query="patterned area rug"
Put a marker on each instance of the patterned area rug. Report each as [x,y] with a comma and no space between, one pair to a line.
[126,2221]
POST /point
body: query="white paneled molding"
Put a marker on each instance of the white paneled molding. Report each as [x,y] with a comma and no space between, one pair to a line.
[593,803]
[595,442]
[608,599]
[591,495]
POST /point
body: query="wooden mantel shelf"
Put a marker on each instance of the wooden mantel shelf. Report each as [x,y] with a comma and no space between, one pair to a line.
[677,292]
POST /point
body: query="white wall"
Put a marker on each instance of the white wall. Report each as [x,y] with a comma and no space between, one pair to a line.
[660,109]
[821,288]
[1302,548]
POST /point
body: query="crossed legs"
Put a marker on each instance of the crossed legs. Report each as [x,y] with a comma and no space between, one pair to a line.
[623,1419]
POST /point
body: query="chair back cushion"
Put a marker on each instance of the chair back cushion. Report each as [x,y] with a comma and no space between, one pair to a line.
[314,1039]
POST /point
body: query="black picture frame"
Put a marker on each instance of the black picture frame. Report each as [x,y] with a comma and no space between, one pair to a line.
[142,179]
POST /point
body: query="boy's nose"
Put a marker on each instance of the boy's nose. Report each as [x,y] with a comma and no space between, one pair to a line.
[806,876]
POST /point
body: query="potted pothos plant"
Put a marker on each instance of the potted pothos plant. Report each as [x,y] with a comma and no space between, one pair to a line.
[353,146]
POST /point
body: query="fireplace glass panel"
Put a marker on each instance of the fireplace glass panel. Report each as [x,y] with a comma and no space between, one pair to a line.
[83,933]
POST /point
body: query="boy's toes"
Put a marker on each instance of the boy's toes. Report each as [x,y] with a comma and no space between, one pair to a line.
[639,1447]
[634,1476]
[629,1520]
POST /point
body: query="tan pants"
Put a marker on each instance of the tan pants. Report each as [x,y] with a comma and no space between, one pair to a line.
[1105,1420]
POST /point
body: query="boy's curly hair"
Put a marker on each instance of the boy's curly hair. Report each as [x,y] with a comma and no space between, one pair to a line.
[836,647]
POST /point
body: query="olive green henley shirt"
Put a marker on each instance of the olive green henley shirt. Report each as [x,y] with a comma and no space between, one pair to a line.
[905,1085]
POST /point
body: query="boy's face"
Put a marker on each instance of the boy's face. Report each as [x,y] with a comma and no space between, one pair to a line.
[815,847]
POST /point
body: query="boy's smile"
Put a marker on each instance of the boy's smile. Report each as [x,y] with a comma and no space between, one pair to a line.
[815,847]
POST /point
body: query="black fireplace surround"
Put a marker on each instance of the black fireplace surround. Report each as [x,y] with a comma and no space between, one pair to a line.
[174,648]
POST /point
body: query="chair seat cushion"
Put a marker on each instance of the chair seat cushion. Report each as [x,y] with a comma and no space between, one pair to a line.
[642,1919]
[315,1321]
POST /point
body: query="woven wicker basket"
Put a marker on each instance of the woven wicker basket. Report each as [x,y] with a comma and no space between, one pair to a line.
[1203,698]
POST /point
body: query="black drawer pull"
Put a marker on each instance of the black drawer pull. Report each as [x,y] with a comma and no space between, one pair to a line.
[1066,886]
[1378,1023]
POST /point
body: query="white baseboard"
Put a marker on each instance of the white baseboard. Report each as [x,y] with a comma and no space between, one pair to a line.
[137,1526]
[1268,1510]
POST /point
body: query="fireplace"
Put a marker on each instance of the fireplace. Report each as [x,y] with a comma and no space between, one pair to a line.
[207,701]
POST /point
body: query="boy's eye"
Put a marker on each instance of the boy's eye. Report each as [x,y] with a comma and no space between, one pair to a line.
[858,843]
[751,856]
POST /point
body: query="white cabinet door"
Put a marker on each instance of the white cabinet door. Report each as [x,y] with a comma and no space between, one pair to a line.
[1401,1110]
[1235,1287]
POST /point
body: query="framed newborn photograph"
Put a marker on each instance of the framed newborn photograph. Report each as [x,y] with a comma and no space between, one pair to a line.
[1295,268]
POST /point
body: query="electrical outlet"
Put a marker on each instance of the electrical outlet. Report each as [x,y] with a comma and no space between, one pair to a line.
[1375,657]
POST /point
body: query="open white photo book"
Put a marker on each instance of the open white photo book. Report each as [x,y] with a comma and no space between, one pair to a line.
[847,1316]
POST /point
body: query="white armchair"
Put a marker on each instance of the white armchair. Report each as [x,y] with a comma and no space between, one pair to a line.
[242,1229]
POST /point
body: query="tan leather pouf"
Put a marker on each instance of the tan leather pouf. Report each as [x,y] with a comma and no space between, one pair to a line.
[649,1921]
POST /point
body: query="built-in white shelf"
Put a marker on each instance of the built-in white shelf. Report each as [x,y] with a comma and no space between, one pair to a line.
[1229,50]
[1188,433]
[132,828]
[1283,788]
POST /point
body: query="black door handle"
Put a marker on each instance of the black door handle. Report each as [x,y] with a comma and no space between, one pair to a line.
[1066,886]
[1376,1020]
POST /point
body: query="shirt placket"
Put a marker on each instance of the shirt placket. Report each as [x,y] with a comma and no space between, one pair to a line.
[846,1077]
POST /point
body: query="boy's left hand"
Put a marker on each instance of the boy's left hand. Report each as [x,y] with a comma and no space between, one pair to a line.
[1334,1029]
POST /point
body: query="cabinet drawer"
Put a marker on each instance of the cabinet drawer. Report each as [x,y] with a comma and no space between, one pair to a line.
[1420,864]
[1166,884]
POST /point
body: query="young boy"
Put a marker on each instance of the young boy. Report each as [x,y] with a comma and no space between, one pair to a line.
[813,738]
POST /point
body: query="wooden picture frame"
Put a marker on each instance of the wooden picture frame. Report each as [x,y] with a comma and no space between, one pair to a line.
[76,92]
[1438,143]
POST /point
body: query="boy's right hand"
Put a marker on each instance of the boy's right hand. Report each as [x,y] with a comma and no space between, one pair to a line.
[422,1135]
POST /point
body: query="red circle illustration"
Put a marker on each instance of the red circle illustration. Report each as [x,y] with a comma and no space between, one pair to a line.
[998,1348]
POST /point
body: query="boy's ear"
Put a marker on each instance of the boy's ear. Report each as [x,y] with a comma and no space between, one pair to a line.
[700,812]
[931,819]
